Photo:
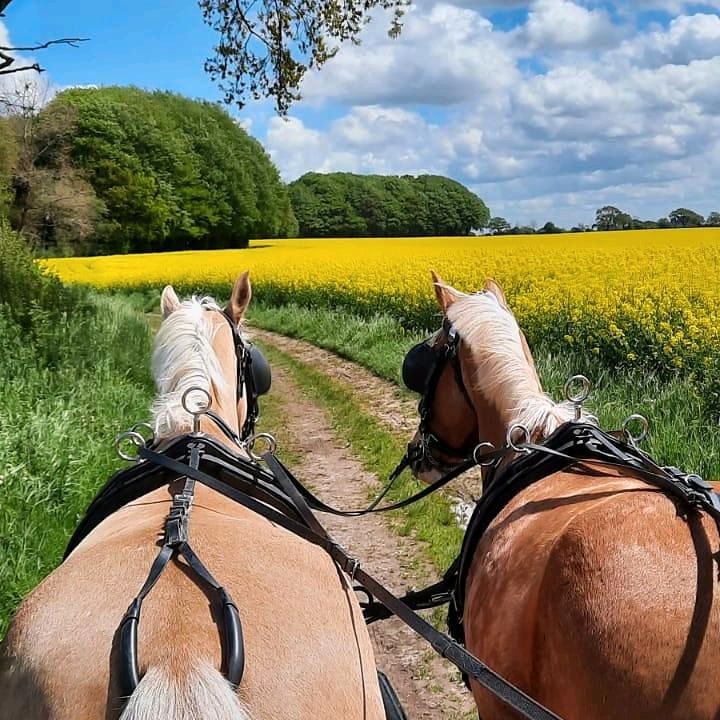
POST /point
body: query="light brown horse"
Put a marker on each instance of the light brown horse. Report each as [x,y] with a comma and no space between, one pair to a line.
[589,590]
[308,654]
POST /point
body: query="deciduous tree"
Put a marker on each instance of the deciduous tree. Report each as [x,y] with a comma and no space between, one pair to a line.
[265,47]
[498,225]
[682,217]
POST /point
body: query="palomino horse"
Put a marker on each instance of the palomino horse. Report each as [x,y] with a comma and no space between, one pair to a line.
[308,652]
[590,590]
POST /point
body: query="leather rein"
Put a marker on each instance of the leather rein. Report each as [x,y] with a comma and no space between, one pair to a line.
[274,493]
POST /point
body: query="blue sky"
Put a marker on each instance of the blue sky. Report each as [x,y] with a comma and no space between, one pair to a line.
[548,108]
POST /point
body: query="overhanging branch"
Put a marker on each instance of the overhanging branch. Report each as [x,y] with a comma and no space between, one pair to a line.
[7,60]
[73,42]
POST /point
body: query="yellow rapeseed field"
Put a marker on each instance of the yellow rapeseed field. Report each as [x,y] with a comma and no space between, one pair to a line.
[650,296]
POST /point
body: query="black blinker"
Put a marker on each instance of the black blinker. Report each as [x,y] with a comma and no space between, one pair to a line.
[260,368]
[418,367]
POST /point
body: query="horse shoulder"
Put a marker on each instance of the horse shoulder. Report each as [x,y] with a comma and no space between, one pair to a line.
[627,608]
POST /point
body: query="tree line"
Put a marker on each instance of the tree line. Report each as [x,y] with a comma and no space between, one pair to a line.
[349,205]
[117,170]
[611,218]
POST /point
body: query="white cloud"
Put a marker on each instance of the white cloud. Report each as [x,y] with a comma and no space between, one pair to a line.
[562,24]
[445,55]
[688,38]
[368,140]
[635,122]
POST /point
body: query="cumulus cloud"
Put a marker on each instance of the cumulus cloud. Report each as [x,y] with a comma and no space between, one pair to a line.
[688,38]
[540,134]
[445,54]
[561,24]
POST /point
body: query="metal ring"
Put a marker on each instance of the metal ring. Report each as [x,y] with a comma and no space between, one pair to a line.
[477,455]
[135,438]
[201,411]
[267,437]
[525,438]
[584,392]
[644,425]
[150,430]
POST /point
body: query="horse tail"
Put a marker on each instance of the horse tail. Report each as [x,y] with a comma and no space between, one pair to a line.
[204,693]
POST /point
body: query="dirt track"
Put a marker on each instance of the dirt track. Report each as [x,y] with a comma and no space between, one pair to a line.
[427,686]
[396,409]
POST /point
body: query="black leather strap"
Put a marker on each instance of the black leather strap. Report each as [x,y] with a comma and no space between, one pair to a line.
[570,445]
[443,644]
[176,544]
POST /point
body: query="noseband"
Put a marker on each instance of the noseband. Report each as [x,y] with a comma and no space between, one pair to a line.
[422,368]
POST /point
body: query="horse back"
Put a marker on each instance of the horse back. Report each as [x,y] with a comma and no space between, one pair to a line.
[307,649]
[599,596]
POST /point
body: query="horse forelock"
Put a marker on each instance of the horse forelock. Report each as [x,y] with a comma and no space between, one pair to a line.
[183,358]
[501,372]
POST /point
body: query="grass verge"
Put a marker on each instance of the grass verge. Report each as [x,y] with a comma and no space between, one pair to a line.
[66,393]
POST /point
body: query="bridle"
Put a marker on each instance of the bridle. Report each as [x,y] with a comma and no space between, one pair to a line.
[423,366]
[253,372]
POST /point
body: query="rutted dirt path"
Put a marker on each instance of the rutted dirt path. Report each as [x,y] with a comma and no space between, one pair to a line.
[427,686]
[382,399]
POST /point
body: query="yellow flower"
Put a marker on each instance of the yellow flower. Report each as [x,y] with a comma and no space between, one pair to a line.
[617,290]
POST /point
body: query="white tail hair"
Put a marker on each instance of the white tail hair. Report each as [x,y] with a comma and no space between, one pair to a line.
[204,695]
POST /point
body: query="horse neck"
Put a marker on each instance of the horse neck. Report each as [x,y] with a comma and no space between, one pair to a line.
[511,394]
[225,409]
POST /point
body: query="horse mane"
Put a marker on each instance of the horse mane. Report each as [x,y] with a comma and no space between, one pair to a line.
[502,372]
[183,357]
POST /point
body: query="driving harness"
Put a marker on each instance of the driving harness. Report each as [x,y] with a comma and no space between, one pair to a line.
[274,493]
[571,445]
[190,453]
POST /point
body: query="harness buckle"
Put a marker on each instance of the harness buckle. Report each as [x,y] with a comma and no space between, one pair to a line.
[176,529]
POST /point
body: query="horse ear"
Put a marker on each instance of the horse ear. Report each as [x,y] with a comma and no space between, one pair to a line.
[169,301]
[443,293]
[492,287]
[240,298]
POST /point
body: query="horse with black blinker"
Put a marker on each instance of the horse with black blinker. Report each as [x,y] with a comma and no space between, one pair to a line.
[242,618]
[589,573]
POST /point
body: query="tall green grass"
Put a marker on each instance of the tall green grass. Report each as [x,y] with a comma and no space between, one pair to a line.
[682,432]
[73,373]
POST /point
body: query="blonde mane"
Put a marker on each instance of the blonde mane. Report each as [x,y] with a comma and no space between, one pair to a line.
[502,372]
[183,357]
